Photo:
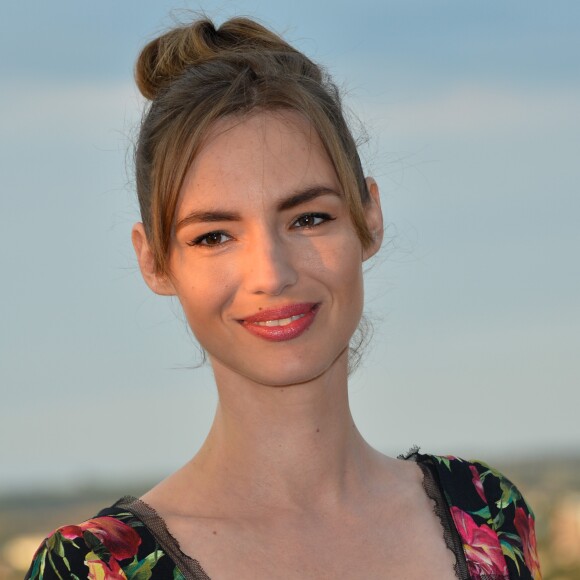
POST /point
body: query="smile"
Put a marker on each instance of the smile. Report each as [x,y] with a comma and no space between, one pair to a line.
[281,324]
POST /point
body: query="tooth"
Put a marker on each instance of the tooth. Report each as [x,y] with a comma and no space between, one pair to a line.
[280,321]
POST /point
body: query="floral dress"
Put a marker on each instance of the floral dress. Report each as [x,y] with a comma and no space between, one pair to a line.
[485,521]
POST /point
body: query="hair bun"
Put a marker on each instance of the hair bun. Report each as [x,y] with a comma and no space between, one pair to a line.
[169,55]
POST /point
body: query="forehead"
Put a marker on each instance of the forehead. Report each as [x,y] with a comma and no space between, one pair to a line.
[267,154]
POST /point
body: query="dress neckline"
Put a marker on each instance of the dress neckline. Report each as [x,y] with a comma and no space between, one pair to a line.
[191,568]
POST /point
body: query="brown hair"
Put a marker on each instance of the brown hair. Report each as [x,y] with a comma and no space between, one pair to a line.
[194,75]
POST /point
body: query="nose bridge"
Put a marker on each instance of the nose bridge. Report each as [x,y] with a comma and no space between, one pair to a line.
[270,267]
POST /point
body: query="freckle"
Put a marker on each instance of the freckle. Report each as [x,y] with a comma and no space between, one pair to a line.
[260,308]
[214,533]
[317,430]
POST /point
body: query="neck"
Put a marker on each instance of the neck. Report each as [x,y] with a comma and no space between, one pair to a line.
[295,446]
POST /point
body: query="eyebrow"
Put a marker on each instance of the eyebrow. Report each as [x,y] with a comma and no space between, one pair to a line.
[290,202]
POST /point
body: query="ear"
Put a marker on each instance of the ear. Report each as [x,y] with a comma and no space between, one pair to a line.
[159,283]
[374,217]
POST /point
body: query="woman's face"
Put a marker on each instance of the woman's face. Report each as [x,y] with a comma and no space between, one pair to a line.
[265,260]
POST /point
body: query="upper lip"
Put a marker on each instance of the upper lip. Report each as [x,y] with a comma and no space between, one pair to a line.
[280,312]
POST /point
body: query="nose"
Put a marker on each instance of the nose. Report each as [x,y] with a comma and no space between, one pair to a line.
[269,266]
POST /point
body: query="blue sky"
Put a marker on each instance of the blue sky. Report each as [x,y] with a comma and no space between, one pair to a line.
[473,118]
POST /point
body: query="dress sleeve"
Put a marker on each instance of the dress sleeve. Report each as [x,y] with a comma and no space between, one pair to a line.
[61,557]
[495,523]
[103,547]
[511,518]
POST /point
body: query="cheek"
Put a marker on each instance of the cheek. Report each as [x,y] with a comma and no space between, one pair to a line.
[203,293]
[338,267]
[339,261]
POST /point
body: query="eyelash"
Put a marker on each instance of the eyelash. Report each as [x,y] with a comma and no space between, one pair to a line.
[199,241]
[324,217]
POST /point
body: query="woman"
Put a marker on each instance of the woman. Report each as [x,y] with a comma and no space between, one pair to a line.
[257,216]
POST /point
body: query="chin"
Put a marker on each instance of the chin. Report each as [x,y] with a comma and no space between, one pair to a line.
[285,373]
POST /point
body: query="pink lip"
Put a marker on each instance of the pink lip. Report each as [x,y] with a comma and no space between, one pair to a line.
[280,333]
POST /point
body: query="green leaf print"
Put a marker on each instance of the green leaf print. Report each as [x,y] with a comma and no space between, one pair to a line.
[444,461]
[143,569]
[510,552]
[483,513]
[38,565]
[96,546]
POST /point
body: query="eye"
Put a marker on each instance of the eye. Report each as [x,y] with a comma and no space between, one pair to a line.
[211,239]
[311,220]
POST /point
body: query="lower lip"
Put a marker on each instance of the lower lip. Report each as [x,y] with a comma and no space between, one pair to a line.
[282,333]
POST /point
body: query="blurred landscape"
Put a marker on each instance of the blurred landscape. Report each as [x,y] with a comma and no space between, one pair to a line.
[551,486]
